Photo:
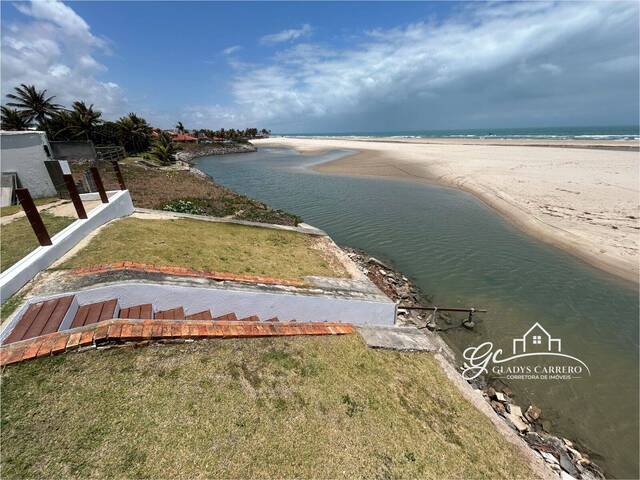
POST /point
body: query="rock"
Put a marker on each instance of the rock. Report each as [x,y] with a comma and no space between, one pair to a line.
[577,456]
[515,409]
[469,324]
[507,391]
[517,423]
[568,443]
[491,392]
[498,407]
[565,476]
[545,425]
[567,465]
[532,438]
[432,326]
[379,263]
[533,413]
[500,397]
[549,457]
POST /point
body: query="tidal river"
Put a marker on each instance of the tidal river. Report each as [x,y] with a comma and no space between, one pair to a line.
[462,253]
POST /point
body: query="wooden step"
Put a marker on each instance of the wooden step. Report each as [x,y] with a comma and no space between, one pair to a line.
[144,311]
[94,312]
[229,317]
[40,318]
[204,315]
[171,314]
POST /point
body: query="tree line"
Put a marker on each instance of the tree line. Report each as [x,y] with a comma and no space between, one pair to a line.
[30,108]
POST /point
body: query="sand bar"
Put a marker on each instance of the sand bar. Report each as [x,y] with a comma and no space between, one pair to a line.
[583,196]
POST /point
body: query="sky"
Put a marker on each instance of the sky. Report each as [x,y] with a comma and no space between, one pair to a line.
[332,67]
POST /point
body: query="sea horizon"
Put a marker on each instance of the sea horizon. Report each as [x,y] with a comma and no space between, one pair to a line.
[613,132]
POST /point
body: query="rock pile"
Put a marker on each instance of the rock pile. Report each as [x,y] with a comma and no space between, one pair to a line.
[213,149]
[393,284]
[559,453]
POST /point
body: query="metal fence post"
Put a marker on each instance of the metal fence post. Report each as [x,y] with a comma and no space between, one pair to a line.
[24,197]
[99,185]
[75,197]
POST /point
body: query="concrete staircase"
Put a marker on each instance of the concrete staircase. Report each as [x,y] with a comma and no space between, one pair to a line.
[65,314]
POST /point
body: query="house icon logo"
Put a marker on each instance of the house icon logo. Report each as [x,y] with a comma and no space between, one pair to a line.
[536,339]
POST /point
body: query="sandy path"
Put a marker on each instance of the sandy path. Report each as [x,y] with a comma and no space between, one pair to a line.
[585,200]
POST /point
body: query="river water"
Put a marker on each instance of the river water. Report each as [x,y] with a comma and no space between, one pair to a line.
[462,253]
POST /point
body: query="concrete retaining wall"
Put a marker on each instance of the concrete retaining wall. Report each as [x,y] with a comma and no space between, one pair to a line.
[12,279]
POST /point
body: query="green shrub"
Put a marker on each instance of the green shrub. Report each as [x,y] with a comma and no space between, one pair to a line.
[183,206]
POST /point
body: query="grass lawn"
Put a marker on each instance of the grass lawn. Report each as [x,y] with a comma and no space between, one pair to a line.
[11,209]
[197,244]
[304,407]
[18,238]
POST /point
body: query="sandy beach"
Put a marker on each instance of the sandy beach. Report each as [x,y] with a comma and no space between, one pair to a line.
[582,196]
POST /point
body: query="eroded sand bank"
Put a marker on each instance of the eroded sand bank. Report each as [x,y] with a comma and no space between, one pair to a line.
[585,200]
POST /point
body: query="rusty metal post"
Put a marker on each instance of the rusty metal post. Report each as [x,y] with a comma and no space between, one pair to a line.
[75,197]
[116,168]
[99,185]
[24,197]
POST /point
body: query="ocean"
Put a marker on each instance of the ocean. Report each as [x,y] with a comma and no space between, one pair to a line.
[558,133]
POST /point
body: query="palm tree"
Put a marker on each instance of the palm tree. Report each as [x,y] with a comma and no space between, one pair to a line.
[163,149]
[33,104]
[135,132]
[180,127]
[80,122]
[13,120]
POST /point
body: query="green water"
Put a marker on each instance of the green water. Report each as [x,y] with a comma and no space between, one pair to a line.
[462,253]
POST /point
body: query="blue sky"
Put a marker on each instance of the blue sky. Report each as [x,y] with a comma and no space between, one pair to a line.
[305,67]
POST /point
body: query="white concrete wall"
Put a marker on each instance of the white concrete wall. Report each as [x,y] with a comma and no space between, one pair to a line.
[15,277]
[23,153]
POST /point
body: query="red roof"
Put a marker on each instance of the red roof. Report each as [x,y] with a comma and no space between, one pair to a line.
[181,137]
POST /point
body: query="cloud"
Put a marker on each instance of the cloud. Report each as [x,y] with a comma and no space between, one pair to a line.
[287,35]
[230,50]
[498,64]
[54,48]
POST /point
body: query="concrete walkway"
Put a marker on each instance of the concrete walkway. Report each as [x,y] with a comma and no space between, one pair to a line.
[397,338]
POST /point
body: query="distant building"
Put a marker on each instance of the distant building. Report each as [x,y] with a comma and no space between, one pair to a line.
[183,137]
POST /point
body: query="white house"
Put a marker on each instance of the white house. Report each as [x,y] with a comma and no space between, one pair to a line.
[24,154]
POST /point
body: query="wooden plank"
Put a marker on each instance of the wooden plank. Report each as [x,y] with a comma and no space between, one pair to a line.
[56,317]
[94,313]
[146,311]
[81,316]
[41,319]
[204,315]
[25,322]
[108,309]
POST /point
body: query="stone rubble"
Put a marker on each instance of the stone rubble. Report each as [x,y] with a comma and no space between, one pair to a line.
[560,454]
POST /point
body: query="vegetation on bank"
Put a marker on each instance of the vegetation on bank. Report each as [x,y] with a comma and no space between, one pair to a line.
[303,407]
[202,245]
[169,190]
[18,238]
